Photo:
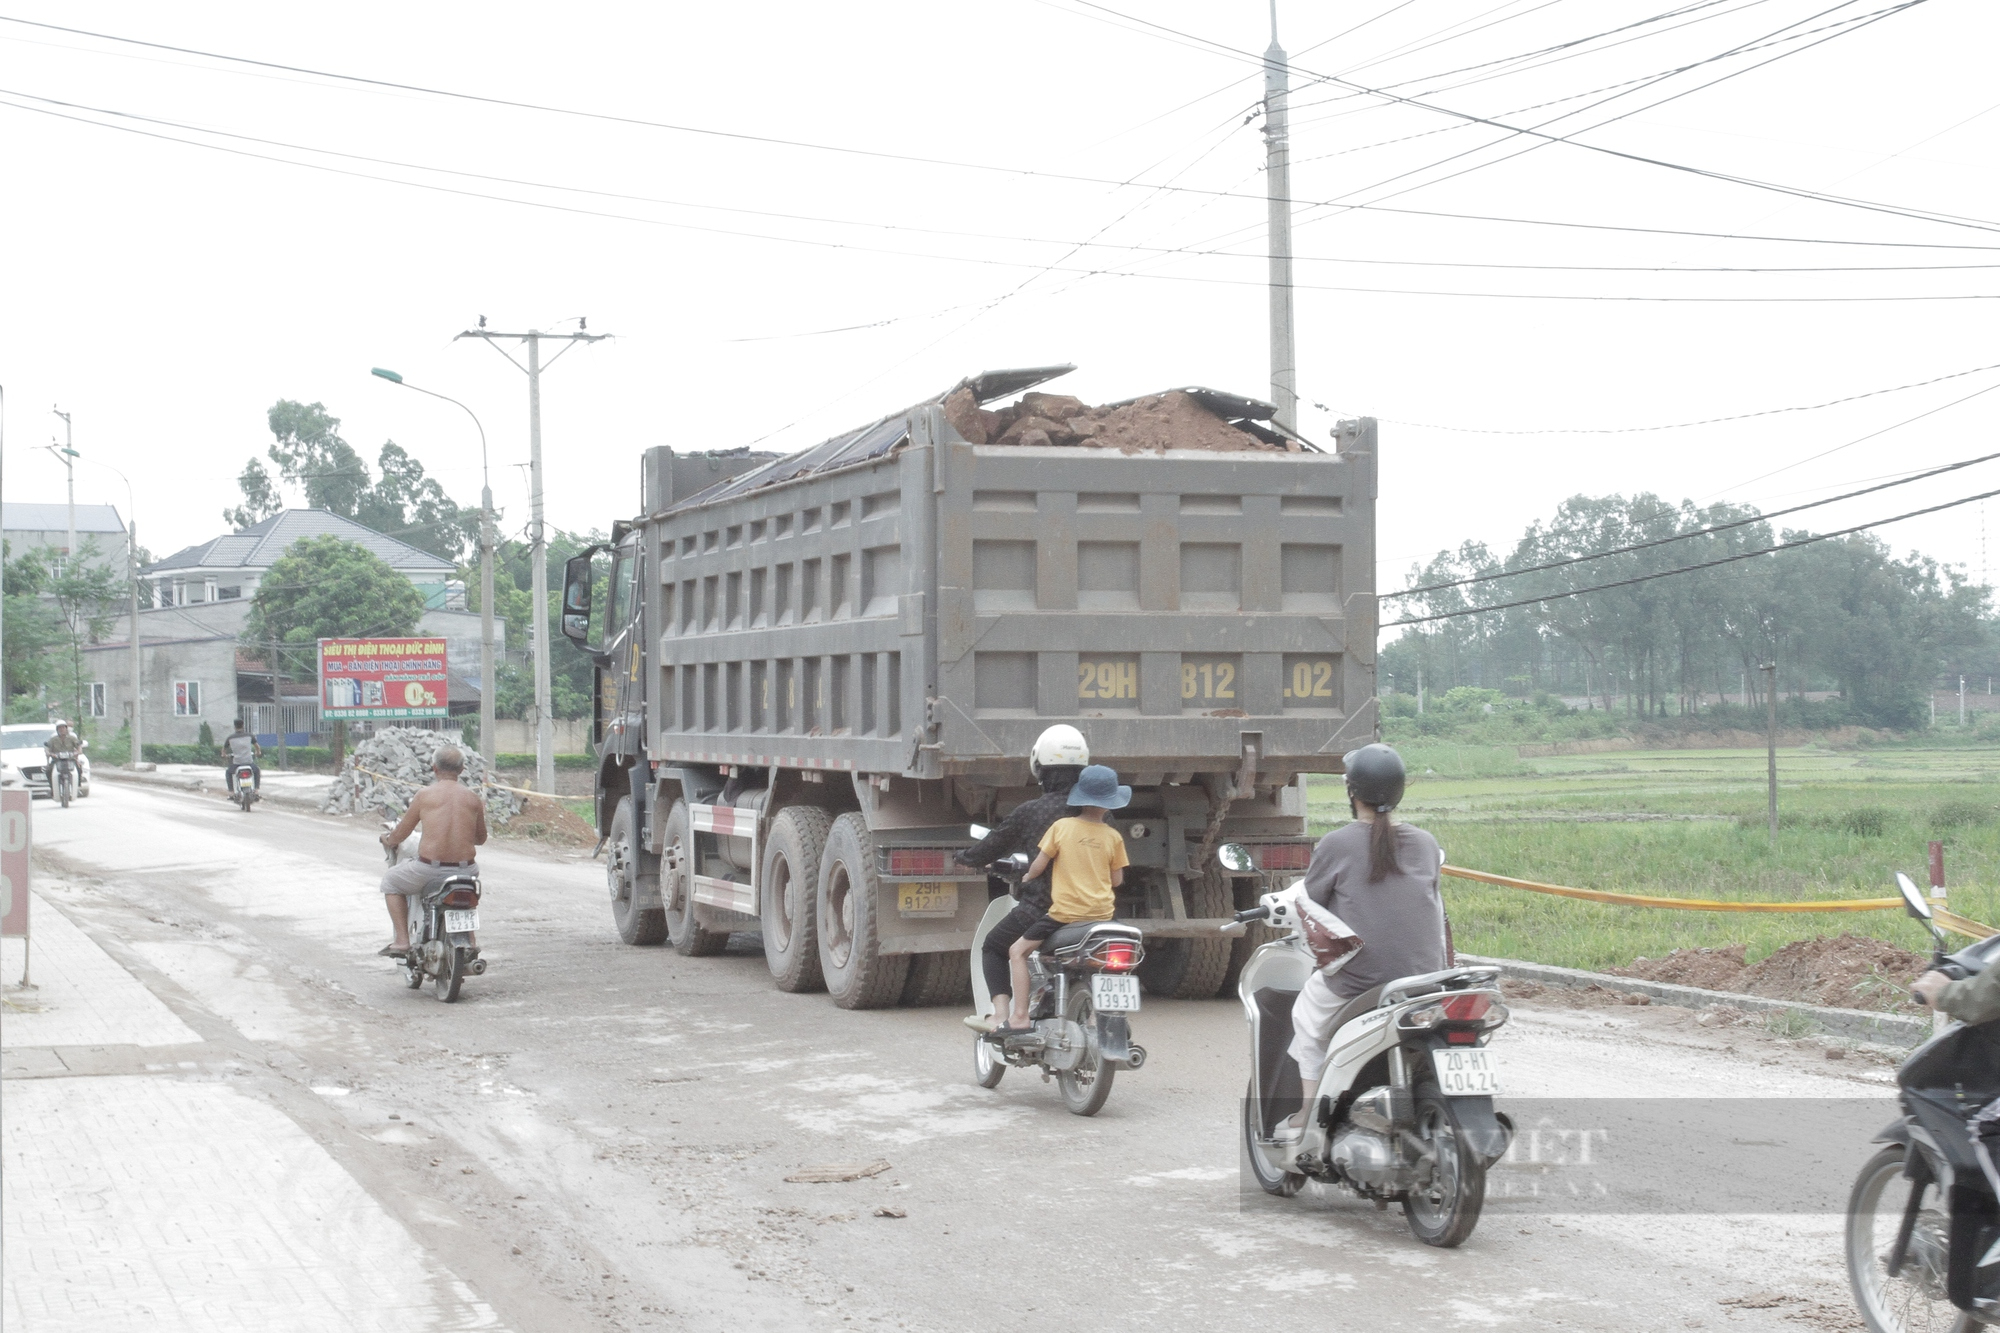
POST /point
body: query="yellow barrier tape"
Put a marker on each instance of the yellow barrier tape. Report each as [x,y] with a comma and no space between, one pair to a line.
[1949,920]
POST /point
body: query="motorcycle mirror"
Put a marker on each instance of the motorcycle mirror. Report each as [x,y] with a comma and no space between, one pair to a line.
[980,832]
[1236,857]
[1913,902]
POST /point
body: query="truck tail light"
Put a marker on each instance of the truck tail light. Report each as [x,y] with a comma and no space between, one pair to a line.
[919,861]
[1283,856]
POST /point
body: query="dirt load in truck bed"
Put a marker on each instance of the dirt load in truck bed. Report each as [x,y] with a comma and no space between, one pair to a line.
[1171,420]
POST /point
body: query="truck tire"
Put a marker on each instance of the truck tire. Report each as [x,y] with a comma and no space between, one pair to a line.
[636,925]
[937,978]
[858,974]
[1192,969]
[790,888]
[677,889]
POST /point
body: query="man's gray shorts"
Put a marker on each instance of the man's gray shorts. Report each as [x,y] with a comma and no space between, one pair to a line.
[413,877]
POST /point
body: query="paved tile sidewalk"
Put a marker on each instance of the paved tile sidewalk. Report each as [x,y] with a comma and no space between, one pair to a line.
[84,997]
[151,1203]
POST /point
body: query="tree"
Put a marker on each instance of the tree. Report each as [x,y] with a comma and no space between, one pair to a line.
[571,674]
[311,455]
[32,626]
[326,588]
[87,595]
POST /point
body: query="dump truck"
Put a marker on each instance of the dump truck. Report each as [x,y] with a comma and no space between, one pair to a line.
[816,672]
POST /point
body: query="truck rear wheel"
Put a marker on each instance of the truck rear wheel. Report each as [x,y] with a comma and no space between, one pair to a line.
[790,889]
[677,867]
[858,974]
[1192,969]
[622,869]
[937,978]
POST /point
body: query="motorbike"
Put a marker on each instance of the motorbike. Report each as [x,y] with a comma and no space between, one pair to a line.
[62,779]
[442,922]
[246,786]
[1403,1111]
[1082,988]
[1923,1221]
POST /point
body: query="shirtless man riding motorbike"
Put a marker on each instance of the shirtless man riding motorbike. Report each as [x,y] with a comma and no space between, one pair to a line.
[454,824]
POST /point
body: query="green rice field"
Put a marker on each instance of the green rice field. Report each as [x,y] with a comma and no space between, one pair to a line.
[1692,824]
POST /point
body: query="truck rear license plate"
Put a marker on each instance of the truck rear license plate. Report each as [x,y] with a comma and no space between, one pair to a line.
[927,899]
[1114,995]
[461,923]
[1466,1073]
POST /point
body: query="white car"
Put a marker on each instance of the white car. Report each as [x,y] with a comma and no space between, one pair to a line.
[21,749]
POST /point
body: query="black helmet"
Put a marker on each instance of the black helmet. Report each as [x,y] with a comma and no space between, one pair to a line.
[1374,776]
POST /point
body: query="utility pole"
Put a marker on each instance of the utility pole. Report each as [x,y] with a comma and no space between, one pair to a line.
[1278,182]
[545,735]
[138,678]
[1961,703]
[67,455]
[1770,670]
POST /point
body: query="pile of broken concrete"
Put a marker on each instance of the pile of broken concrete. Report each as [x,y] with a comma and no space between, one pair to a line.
[383,772]
[1171,420]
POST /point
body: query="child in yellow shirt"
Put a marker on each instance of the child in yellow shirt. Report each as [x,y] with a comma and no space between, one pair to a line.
[1085,861]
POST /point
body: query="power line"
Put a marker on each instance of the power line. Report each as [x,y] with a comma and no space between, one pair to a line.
[1689,569]
[988,261]
[1687,536]
[1824,453]
[1684,425]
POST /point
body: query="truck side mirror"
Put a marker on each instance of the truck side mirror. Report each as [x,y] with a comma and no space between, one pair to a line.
[576,599]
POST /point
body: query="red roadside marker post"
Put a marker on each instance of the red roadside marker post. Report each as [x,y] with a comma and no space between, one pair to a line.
[16,836]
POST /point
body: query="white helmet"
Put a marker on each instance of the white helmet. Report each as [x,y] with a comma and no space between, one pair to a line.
[1059,746]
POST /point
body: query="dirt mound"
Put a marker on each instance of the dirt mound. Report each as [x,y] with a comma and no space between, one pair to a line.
[547,820]
[1172,420]
[1847,971]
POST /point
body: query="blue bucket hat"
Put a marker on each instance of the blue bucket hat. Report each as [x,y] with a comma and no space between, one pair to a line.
[1098,786]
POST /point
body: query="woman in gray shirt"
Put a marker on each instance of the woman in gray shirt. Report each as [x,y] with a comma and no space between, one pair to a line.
[1381,879]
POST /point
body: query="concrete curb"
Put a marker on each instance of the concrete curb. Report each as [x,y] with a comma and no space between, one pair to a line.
[291,800]
[1853,1024]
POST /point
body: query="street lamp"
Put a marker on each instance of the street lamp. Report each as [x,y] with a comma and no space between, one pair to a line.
[486,557]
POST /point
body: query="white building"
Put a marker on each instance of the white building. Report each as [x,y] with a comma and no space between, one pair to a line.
[45,527]
[196,664]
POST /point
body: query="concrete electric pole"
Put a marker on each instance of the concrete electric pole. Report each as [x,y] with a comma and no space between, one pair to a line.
[545,735]
[67,455]
[1278,181]
[1770,670]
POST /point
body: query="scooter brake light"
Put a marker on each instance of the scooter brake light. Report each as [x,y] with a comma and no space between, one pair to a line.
[462,898]
[1465,1008]
[1118,955]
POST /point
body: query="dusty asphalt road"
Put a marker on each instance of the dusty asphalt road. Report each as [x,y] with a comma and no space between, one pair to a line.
[596,1136]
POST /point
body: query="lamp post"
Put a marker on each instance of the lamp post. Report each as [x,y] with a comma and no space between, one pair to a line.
[487,747]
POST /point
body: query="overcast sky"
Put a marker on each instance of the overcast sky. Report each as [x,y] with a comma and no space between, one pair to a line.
[167,293]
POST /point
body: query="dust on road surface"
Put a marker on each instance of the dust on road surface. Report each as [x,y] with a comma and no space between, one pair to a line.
[597,1136]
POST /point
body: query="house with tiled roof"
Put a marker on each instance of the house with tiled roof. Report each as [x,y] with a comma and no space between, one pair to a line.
[198,666]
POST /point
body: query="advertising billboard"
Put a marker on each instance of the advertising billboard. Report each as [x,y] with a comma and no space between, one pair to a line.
[15,838]
[383,679]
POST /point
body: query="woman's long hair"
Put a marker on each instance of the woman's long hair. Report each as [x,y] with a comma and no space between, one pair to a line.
[1382,847]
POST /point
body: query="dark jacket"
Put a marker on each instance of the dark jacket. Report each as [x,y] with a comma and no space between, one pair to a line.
[1021,831]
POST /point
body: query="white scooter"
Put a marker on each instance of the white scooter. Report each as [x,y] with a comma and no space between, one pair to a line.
[1403,1112]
